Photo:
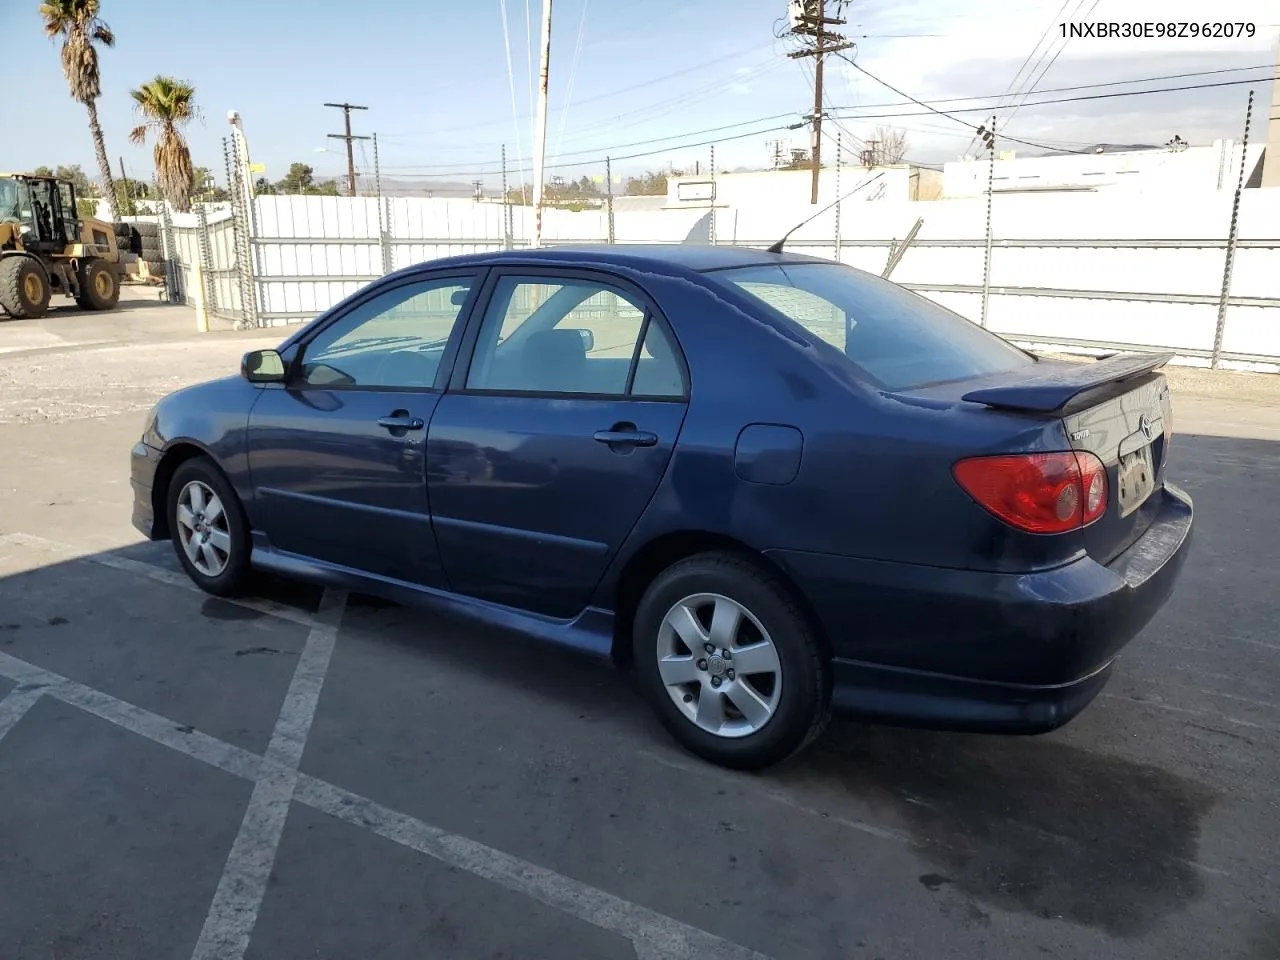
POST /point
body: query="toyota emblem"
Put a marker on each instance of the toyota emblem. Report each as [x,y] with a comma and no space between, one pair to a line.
[1146,427]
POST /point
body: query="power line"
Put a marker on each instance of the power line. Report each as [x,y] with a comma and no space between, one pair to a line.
[710,88]
[573,73]
[511,78]
[986,108]
[1057,18]
[634,143]
[940,113]
[631,156]
[1040,103]
[1037,103]
[1075,15]
[599,96]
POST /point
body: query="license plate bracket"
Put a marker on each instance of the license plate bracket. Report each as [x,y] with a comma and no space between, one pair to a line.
[1136,479]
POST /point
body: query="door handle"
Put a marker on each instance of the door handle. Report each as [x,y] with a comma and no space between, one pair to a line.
[629,438]
[401,423]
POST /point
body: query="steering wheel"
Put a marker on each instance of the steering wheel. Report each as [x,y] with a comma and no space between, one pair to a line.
[406,368]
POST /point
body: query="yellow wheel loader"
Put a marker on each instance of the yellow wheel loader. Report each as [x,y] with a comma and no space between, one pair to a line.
[46,248]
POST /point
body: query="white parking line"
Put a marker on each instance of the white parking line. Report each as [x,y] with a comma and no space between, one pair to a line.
[253,854]
[15,706]
[161,730]
[243,885]
[662,935]
[277,781]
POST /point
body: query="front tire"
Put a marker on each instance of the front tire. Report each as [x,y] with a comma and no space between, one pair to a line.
[99,285]
[208,527]
[24,288]
[730,662]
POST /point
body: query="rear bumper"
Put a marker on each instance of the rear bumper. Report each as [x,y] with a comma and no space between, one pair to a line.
[143,461]
[939,702]
[962,649]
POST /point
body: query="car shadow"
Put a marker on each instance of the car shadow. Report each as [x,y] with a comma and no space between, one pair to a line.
[1034,825]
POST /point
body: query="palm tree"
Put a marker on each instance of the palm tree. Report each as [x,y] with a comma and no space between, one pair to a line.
[166,104]
[77,21]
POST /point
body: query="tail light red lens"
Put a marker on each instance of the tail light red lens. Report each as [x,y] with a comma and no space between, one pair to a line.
[1038,492]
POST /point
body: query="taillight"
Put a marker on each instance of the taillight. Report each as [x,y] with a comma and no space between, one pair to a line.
[1038,492]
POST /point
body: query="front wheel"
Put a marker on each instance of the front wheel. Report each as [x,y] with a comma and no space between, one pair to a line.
[99,285]
[208,527]
[730,662]
[24,287]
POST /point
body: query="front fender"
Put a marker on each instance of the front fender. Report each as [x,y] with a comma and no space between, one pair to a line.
[213,418]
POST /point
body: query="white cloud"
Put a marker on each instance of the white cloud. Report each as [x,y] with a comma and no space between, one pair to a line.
[935,49]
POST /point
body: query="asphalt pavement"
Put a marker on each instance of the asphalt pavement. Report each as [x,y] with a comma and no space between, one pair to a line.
[314,775]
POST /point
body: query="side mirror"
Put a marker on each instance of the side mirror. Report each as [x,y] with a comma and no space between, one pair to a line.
[263,366]
[588,339]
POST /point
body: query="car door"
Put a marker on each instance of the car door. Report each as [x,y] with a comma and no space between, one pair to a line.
[337,453]
[553,438]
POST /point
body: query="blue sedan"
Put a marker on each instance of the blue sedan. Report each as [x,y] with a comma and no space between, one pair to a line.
[771,485]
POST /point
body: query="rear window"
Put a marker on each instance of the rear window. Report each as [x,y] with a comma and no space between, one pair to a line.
[897,338]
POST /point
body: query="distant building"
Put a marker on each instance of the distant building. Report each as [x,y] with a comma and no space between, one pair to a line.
[1185,168]
[791,188]
[624,204]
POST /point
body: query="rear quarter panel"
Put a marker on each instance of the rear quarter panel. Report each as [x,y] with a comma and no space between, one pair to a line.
[875,473]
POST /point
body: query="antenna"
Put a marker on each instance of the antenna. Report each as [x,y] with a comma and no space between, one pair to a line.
[777,247]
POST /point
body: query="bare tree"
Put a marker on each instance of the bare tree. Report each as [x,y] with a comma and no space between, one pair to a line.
[887,146]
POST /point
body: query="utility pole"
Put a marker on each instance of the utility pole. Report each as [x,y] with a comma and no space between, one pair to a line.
[540,128]
[124,186]
[809,19]
[346,109]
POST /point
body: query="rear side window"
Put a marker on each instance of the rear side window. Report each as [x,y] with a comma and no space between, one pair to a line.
[897,338]
[571,337]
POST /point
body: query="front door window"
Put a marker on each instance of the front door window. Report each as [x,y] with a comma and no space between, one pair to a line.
[394,341]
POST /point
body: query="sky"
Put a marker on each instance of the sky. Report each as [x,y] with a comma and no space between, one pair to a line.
[651,82]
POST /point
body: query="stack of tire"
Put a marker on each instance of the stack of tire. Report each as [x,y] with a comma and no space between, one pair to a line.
[143,240]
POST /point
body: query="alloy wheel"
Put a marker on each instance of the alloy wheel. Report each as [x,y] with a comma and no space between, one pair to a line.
[203,529]
[719,665]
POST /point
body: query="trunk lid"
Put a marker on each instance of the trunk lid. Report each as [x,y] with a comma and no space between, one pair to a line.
[1118,409]
[1130,434]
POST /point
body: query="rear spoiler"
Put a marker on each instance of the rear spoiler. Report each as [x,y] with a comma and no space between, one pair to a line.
[1051,391]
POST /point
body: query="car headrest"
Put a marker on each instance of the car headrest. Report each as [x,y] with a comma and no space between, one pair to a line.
[658,343]
[554,357]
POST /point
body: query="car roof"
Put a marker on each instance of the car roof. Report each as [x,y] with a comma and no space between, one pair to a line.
[696,257]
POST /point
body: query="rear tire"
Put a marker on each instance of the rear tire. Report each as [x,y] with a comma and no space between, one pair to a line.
[770,697]
[99,285]
[208,527]
[24,288]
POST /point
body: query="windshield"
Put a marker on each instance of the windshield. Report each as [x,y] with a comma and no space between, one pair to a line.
[897,338]
[9,202]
